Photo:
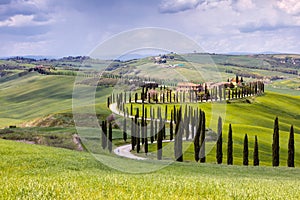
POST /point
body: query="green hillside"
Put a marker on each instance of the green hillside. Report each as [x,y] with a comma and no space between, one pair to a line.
[37,172]
[33,96]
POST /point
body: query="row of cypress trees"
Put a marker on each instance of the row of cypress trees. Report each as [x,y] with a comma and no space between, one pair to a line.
[139,135]
[275,147]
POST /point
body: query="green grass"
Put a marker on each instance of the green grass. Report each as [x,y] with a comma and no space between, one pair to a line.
[33,96]
[37,172]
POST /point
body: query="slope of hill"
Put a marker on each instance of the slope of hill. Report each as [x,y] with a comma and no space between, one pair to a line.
[36,172]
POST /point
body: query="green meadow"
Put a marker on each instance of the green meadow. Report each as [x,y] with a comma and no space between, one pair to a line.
[39,172]
[41,105]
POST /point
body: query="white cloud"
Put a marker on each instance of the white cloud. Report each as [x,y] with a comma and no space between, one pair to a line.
[21,21]
[173,6]
[243,5]
[289,6]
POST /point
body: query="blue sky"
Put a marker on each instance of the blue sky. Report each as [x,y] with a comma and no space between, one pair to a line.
[75,27]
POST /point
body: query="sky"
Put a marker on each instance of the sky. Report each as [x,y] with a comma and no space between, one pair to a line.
[75,27]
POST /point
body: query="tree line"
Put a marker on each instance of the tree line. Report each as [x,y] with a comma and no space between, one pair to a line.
[190,125]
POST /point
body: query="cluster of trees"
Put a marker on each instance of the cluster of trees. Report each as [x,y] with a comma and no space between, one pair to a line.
[165,95]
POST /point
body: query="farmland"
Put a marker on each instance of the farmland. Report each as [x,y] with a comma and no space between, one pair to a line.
[40,105]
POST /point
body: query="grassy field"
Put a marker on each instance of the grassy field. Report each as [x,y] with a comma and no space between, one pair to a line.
[30,171]
[34,96]
[37,172]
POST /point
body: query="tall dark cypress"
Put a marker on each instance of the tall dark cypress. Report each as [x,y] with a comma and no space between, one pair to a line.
[245,152]
[124,130]
[219,153]
[229,147]
[151,130]
[291,149]
[255,153]
[110,138]
[171,127]
[138,138]
[178,137]
[132,134]
[275,145]
[146,138]
[104,135]
[197,140]
[193,123]
[159,144]
[202,139]
[143,130]
[155,129]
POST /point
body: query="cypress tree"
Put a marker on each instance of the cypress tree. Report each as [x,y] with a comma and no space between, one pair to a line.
[159,145]
[103,135]
[110,138]
[171,127]
[151,130]
[143,131]
[255,153]
[229,147]
[178,137]
[156,130]
[219,153]
[138,138]
[197,141]
[245,152]
[275,144]
[146,139]
[291,149]
[132,134]
[202,139]
[124,130]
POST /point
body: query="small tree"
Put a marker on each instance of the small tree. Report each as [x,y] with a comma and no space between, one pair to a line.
[132,134]
[146,138]
[245,152]
[291,147]
[110,138]
[202,139]
[159,144]
[151,130]
[255,153]
[197,141]
[219,154]
[178,137]
[275,145]
[124,130]
[138,138]
[229,147]
[171,127]
[104,135]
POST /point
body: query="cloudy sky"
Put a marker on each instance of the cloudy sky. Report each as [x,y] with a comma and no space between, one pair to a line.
[75,27]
